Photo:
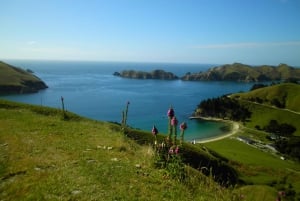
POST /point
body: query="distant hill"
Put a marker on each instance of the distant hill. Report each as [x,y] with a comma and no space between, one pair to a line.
[246,73]
[15,80]
[156,74]
[286,95]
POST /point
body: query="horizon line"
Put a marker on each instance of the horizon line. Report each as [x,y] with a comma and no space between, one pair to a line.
[154,62]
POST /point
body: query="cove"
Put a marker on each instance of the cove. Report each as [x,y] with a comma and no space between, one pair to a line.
[90,90]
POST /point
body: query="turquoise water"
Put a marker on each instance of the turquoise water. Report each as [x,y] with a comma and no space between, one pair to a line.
[90,89]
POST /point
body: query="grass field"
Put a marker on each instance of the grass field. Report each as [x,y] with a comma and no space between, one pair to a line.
[258,167]
[287,93]
[44,157]
[282,116]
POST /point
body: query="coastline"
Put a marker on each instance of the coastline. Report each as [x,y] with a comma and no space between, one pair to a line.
[234,130]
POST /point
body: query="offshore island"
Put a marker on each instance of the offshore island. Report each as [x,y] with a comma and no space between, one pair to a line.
[230,72]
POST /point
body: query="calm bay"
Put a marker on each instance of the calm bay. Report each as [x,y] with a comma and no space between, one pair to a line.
[90,89]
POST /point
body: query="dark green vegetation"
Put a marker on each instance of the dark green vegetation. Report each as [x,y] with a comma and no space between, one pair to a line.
[15,80]
[156,74]
[268,126]
[246,73]
[224,108]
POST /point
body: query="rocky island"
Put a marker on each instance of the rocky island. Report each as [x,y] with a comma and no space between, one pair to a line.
[14,80]
[235,72]
[246,73]
[155,74]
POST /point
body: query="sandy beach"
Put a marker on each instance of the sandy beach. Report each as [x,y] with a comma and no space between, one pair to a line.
[234,130]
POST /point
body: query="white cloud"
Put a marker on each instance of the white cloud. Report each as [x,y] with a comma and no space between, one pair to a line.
[247,45]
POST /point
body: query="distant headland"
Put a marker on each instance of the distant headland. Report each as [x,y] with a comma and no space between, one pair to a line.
[230,72]
[14,80]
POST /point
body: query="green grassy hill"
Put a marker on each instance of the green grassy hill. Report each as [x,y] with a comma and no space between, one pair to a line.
[260,103]
[46,157]
[256,162]
[288,94]
[17,80]
[260,169]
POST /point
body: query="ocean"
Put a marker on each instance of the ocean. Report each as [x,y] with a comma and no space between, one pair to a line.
[90,90]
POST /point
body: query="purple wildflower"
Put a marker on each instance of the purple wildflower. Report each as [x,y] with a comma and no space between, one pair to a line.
[174,121]
[177,150]
[154,130]
[171,113]
[183,126]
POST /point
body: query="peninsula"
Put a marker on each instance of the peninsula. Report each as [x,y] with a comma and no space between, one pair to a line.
[14,80]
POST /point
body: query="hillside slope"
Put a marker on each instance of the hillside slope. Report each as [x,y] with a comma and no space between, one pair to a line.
[15,80]
[252,150]
[286,95]
[44,157]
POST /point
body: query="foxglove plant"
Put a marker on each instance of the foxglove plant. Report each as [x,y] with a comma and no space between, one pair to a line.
[154,132]
[167,153]
[174,150]
[174,123]
[170,114]
[177,150]
[182,127]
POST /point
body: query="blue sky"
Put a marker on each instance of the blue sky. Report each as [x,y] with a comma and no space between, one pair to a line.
[180,31]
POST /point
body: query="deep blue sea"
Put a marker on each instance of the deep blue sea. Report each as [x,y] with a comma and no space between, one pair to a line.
[90,89]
